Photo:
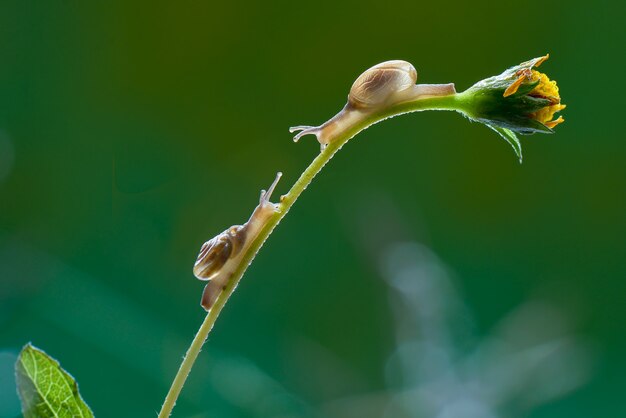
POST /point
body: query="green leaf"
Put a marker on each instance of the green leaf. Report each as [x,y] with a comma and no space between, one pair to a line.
[46,390]
[510,137]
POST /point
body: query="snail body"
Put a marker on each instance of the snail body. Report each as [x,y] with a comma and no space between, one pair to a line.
[220,256]
[381,86]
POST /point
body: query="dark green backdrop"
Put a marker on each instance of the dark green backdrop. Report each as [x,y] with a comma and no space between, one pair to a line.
[130,132]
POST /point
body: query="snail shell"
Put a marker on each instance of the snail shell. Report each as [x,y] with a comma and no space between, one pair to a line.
[378,84]
[217,251]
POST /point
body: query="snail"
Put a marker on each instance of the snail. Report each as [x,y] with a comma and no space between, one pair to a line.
[386,84]
[220,256]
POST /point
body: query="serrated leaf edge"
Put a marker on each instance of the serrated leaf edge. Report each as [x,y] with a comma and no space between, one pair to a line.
[72,384]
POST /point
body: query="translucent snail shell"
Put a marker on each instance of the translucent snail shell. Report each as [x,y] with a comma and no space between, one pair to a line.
[217,251]
[380,82]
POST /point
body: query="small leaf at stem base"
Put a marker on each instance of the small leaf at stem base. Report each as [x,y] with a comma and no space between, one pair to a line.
[46,390]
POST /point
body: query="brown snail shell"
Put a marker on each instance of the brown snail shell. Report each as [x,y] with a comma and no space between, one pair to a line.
[217,251]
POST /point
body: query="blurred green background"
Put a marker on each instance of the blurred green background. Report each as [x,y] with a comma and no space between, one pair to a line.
[131,132]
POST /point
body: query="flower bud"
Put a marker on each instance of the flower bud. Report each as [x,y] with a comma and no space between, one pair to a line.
[520,100]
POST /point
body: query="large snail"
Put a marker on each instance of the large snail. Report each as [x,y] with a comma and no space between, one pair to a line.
[220,256]
[386,84]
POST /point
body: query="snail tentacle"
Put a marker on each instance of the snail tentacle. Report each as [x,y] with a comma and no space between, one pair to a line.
[305,130]
[266,195]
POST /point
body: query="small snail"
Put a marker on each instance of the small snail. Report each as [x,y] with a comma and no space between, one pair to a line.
[220,256]
[385,84]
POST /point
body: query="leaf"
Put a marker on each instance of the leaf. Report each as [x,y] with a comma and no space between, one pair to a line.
[46,390]
[510,137]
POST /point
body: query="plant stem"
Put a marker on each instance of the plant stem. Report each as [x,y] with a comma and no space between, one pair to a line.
[451,102]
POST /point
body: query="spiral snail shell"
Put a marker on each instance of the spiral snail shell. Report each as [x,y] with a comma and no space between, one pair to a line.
[219,257]
[381,86]
[379,83]
[216,252]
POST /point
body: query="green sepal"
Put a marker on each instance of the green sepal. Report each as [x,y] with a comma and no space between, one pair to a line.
[522,126]
[507,77]
[535,127]
[510,137]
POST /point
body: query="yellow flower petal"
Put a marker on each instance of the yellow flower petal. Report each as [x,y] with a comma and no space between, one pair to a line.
[555,122]
[512,89]
[522,76]
[542,60]
[546,114]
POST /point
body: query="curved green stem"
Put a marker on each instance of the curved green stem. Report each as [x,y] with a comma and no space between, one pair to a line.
[451,102]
